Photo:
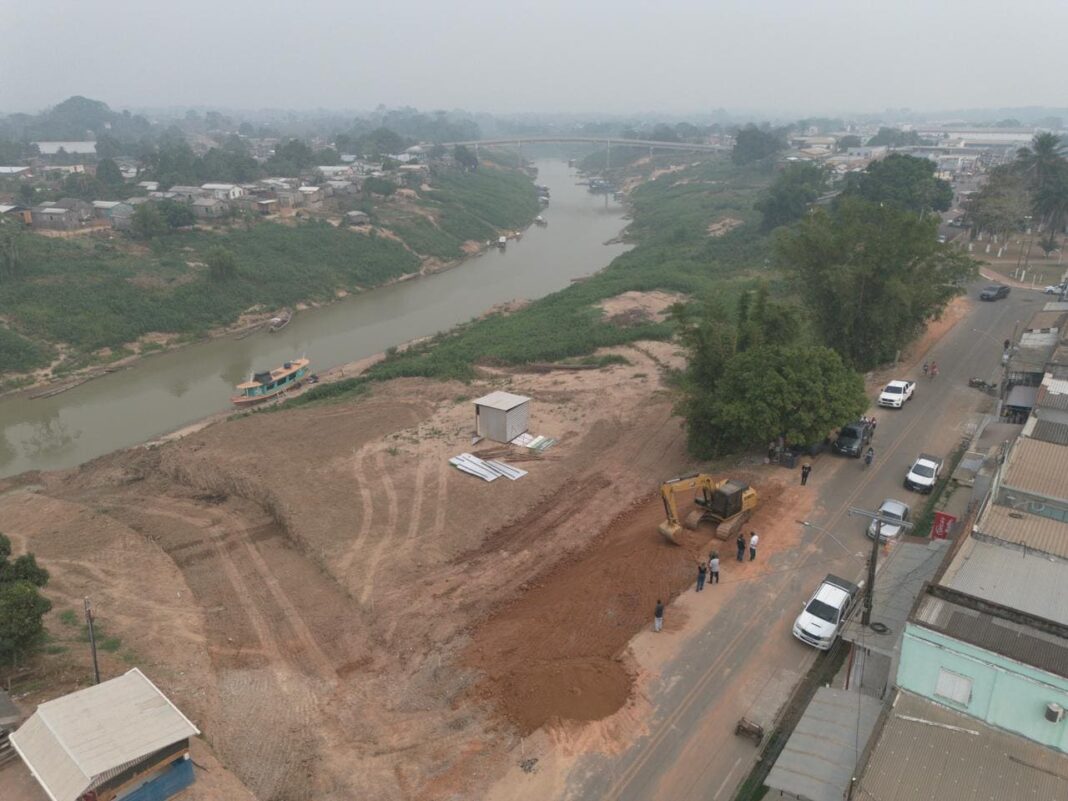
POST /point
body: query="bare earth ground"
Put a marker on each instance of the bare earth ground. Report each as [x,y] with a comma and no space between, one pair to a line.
[345,615]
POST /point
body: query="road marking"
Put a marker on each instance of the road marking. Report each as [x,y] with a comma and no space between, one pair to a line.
[730,773]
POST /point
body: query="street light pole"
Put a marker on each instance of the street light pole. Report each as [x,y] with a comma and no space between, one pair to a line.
[869,591]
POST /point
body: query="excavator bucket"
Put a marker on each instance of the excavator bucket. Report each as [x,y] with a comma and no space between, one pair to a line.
[670,530]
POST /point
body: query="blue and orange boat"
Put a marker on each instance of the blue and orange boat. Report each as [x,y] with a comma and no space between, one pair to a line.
[264,386]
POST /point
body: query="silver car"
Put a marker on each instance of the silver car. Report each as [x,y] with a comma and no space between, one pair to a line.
[895,510]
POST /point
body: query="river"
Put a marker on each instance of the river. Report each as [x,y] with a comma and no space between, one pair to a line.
[164,392]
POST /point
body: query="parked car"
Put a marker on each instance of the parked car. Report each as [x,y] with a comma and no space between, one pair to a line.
[893,509]
[823,616]
[896,393]
[853,438]
[1055,289]
[994,292]
[924,473]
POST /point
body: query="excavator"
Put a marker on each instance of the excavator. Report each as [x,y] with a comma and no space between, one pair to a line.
[726,502]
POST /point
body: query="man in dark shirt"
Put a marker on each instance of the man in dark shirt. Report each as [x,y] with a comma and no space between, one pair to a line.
[658,616]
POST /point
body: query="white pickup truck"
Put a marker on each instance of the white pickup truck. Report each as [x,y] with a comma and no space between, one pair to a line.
[924,473]
[825,613]
[896,393]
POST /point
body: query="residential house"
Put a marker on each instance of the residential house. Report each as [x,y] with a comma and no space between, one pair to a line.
[83,209]
[149,186]
[83,148]
[119,740]
[118,213]
[16,172]
[187,194]
[17,211]
[357,218]
[343,187]
[311,194]
[50,217]
[334,173]
[224,191]
[289,198]
[209,208]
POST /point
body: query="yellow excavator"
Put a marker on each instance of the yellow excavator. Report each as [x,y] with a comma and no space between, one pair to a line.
[725,502]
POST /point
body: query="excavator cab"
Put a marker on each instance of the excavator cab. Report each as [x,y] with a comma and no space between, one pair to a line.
[728,503]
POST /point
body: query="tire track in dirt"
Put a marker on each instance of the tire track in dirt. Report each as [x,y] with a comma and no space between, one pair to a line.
[387,534]
[367,510]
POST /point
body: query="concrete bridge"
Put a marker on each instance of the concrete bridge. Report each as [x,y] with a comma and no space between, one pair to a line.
[608,142]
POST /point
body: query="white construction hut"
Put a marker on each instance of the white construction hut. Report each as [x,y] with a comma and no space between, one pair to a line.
[502,416]
[121,739]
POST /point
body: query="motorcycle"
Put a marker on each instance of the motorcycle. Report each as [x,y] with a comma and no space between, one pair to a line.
[985,386]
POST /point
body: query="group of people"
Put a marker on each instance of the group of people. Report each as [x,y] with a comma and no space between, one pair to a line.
[709,571]
[932,369]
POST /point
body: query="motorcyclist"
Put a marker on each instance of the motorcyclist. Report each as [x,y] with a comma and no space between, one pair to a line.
[869,455]
[934,370]
[925,368]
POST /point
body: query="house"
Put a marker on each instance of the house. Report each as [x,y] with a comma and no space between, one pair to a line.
[343,187]
[17,211]
[50,217]
[334,173]
[357,218]
[102,208]
[224,191]
[83,209]
[116,212]
[16,172]
[149,186]
[82,148]
[502,416]
[311,194]
[209,208]
[187,194]
[289,198]
[120,739]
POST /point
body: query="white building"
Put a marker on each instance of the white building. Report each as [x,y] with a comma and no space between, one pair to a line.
[502,416]
[224,191]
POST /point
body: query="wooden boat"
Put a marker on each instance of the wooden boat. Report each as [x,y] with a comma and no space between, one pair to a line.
[540,221]
[271,384]
[280,322]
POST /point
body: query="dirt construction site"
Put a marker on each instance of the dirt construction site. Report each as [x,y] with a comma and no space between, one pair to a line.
[346,615]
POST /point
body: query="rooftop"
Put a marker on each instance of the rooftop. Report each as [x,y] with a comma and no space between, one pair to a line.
[1045,319]
[1031,358]
[1027,532]
[1035,642]
[927,751]
[501,400]
[1025,580]
[71,740]
[819,759]
[1037,467]
[1047,431]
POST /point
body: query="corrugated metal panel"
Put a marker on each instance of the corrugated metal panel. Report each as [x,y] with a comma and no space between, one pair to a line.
[1045,319]
[1030,582]
[1022,397]
[501,400]
[1049,431]
[1028,531]
[818,760]
[49,763]
[1040,468]
[1051,400]
[101,728]
[927,751]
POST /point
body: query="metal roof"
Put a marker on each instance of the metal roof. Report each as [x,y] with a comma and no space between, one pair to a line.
[1053,393]
[898,583]
[819,760]
[1031,582]
[1022,397]
[1023,530]
[1049,431]
[72,739]
[927,751]
[501,400]
[1015,639]
[1037,467]
[1045,319]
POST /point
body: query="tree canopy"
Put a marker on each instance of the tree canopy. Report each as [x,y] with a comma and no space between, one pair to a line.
[1002,204]
[788,198]
[895,137]
[22,607]
[905,181]
[755,144]
[870,276]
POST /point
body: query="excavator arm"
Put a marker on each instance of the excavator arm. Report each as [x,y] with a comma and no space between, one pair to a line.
[727,502]
[671,527]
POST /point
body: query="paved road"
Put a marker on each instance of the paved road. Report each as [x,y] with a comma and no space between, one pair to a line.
[745,661]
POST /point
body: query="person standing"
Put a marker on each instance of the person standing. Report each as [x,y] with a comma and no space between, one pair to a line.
[713,568]
[806,468]
[701,571]
[658,616]
[740,542]
[753,540]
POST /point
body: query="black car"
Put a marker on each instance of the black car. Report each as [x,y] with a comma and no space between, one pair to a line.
[853,439]
[994,292]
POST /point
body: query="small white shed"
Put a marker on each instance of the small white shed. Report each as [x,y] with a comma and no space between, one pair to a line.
[502,416]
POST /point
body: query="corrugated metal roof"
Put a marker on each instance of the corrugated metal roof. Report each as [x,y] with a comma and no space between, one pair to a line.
[1037,467]
[898,583]
[927,751]
[819,759]
[1016,640]
[1049,431]
[70,740]
[1045,399]
[1025,530]
[1022,397]
[1028,581]
[501,400]
[1031,358]
[1046,319]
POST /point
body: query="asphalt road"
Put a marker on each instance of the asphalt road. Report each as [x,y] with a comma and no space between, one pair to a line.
[744,660]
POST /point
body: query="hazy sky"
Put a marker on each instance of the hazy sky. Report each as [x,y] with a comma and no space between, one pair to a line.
[536,55]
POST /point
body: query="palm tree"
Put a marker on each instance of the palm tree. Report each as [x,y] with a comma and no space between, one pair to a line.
[1051,204]
[1040,161]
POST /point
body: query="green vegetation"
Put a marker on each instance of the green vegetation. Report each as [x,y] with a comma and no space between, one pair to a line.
[752,144]
[895,137]
[788,198]
[903,181]
[22,607]
[19,355]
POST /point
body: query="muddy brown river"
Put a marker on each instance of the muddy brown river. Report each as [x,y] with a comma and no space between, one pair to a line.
[165,392]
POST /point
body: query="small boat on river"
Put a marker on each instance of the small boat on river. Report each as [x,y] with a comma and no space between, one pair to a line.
[540,221]
[280,322]
[271,384]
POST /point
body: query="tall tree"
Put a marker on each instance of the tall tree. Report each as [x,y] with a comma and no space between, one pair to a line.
[147,222]
[1042,160]
[871,276]
[905,181]
[22,607]
[754,144]
[222,264]
[1001,205]
[109,174]
[1051,204]
[789,196]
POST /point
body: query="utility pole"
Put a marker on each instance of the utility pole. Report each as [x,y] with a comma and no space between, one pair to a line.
[92,640]
[880,520]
